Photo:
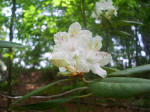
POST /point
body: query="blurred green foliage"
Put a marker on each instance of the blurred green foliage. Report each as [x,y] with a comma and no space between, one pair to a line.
[125,36]
[37,21]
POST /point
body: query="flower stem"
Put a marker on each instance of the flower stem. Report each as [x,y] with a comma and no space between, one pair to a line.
[84,80]
[83,96]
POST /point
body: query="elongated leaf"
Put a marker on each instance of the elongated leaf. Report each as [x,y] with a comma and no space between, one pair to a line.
[43,105]
[7,44]
[110,70]
[121,23]
[122,34]
[119,87]
[39,90]
[132,71]
[125,80]
[132,22]
[125,33]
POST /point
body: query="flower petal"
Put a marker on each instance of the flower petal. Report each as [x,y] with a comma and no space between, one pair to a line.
[82,66]
[60,62]
[85,33]
[62,69]
[97,42]
[99,71]
[60,36]
[74,29]
[104,58]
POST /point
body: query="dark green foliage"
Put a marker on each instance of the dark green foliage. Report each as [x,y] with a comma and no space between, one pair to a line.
[119,87]
[140,70]
[43,105]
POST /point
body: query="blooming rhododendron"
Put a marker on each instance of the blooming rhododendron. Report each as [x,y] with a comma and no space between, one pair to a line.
[78,52]
[105,6]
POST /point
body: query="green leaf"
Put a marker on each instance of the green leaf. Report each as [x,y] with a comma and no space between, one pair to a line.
[39,90]
[110,70]
[132,71]
[43,105]
[122,34]
[125,80]
[123,23]
[132,22]
[7,44]
[119,87]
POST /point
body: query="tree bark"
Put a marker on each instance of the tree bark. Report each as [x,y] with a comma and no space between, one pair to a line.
[11,36]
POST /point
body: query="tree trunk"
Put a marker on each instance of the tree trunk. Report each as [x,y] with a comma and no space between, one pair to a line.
[10,52]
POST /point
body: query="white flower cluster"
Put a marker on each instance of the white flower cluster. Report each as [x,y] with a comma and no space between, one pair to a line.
[105,6]
[78,52]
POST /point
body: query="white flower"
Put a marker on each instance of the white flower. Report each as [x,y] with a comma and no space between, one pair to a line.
[78,52]
[58,37]
[104,7]
[3,66]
